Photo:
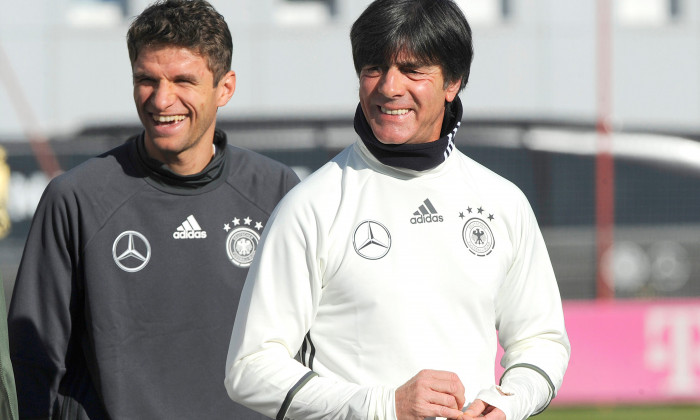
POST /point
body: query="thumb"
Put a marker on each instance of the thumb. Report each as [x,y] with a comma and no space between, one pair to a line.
[475,408]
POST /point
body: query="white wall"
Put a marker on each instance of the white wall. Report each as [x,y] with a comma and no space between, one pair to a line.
[539,63]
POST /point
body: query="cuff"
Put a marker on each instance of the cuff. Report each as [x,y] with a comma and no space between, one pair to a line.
[523,392]
[499,397]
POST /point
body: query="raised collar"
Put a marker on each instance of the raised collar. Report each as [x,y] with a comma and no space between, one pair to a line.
[161,176]
[417,157]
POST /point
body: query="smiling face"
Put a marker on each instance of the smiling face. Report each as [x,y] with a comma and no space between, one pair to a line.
[405,103]
[177,100]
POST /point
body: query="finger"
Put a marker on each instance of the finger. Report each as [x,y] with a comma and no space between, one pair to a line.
[466,416]
[444,403]
[476,408]
[447,396]
[495,414]
[460,399]
[443,399]
[448,383]
[446,412]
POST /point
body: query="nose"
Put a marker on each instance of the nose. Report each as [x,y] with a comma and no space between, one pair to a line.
[391,83]
[163,95]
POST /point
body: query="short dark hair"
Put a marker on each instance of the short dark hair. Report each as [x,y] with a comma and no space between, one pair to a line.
[193,24]
[434,32]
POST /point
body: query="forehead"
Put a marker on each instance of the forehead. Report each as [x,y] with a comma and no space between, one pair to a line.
[403,56]
[411,59]
[170,58]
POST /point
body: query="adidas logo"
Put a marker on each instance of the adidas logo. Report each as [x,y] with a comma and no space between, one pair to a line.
[426,213]
[189,229]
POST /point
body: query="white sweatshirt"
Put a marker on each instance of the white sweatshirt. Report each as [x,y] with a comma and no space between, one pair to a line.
[368,274]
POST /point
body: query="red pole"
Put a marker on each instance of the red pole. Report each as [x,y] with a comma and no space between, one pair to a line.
[38,142]
[605,170]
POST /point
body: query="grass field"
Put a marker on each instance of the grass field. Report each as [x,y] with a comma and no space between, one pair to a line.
[682,412]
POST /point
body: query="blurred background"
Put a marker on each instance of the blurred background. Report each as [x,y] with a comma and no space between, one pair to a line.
[592,107]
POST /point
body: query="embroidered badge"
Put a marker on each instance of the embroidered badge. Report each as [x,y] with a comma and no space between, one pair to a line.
[242,241]
[476,233]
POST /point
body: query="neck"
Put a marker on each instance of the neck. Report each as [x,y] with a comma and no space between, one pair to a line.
[186,162]
[418,157]
[164,174]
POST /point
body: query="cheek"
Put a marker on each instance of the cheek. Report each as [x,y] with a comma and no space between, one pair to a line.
[430,94]
[141,95]
[198,100]
[366,87]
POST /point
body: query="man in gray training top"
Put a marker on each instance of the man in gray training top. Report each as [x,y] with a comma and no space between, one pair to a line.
[123,303]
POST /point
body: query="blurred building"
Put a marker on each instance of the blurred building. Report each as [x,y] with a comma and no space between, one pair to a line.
[531,108]
[534,59]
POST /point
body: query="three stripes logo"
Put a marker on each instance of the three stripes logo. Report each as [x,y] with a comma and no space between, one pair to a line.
[189,229]
[426,213]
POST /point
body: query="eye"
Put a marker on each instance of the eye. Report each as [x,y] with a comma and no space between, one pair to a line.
[143,80]
[185,81]
[371,71]
[417,73]
[412,70]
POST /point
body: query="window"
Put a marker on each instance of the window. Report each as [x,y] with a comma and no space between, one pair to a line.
[96,13]
[330,4]
[305,12]
[486,12]
[647,12]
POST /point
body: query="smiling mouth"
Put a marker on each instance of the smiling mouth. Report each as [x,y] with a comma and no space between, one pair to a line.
[388,111]
[167,119]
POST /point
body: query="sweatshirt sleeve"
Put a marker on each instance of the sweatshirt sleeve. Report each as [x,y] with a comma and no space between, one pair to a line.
[531,323]
[277,309]
[40,321]
[8,391]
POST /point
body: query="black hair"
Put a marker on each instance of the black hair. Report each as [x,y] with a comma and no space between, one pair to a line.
[433,32]
[193,24]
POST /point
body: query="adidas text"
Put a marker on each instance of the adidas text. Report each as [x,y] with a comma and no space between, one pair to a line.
[426,218]
[191,234]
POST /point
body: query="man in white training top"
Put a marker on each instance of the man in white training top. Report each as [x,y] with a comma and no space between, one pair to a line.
[382,280]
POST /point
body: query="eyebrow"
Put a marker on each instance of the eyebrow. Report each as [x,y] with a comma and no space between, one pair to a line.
[409,65]
[185,77]
[140,75]
[403,65]
[413,63]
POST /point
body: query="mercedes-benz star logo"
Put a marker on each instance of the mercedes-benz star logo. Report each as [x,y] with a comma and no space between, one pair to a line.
[371,240]
[131,251]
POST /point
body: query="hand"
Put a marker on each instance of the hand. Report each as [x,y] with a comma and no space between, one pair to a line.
[431,393]
[482,410]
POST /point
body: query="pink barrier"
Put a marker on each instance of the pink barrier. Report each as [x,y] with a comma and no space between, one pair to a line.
[632,352]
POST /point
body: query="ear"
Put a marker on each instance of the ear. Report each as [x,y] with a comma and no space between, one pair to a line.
[452,90]
[226,87]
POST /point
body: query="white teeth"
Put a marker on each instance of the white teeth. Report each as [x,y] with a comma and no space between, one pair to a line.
[394,111]
[168,118]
